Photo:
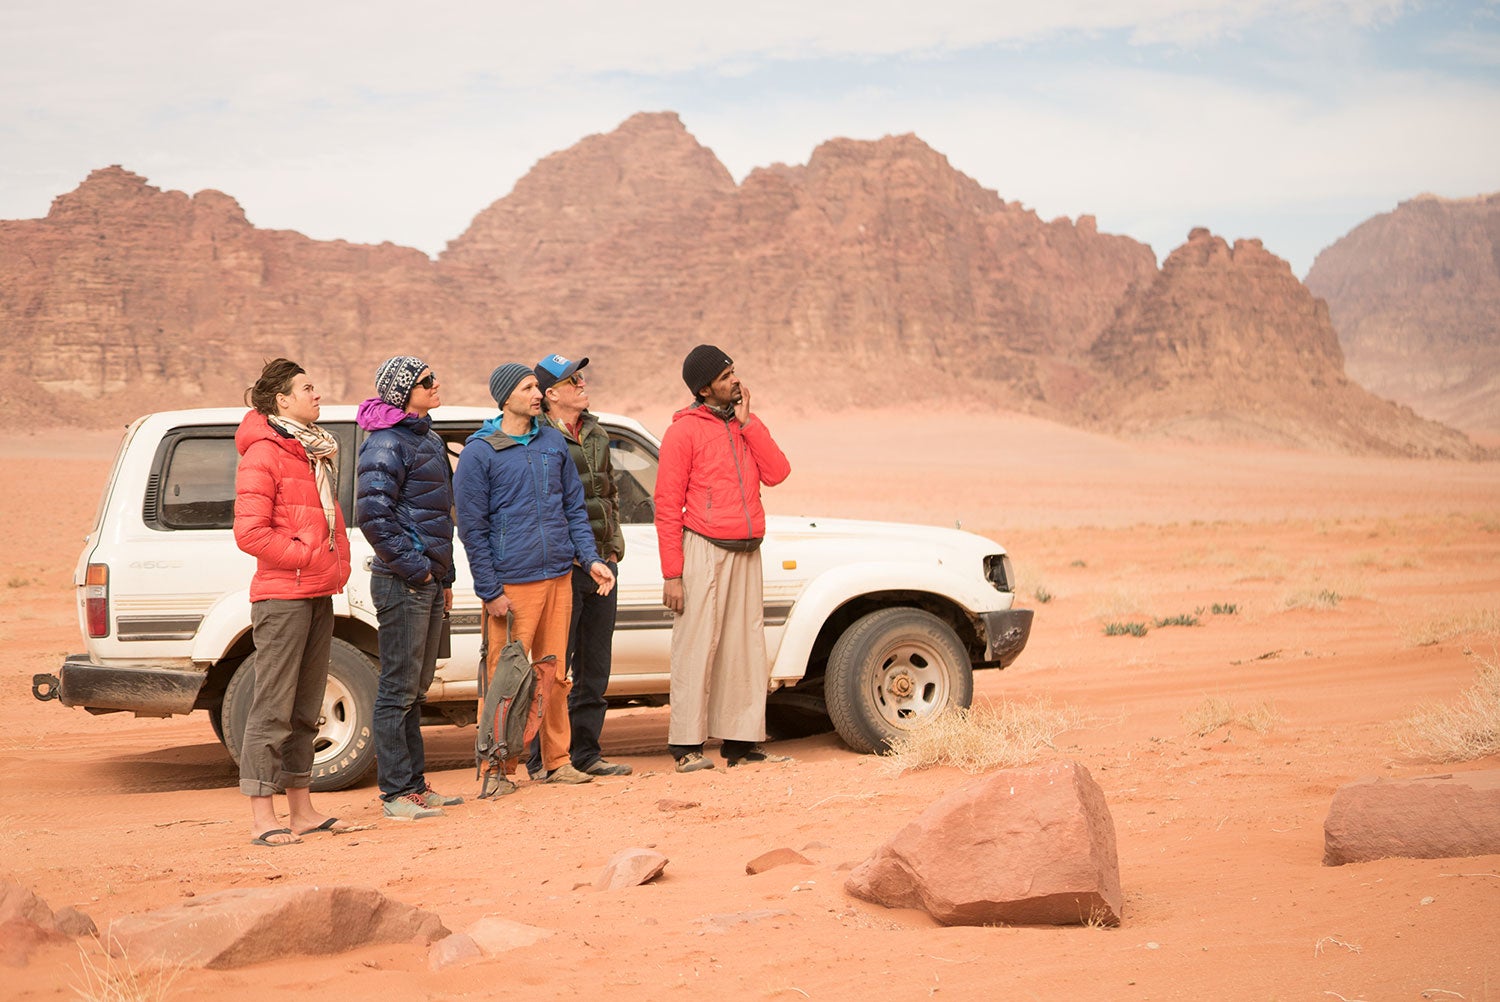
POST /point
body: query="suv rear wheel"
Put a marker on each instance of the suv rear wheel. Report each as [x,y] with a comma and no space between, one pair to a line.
[344,750]
[892,672]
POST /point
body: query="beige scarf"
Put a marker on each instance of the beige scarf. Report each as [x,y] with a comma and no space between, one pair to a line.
[322,452]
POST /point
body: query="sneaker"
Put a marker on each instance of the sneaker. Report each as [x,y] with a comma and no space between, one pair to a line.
[537,775]
[432,798]
[496,785]
[603,768]
[410,807]
[693,761]
[565,773]
[755,753]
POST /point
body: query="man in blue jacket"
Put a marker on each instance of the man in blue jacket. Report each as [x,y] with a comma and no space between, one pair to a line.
[403,505]
[523,522]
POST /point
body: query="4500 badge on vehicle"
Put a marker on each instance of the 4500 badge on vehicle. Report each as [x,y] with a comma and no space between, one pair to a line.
[871,627]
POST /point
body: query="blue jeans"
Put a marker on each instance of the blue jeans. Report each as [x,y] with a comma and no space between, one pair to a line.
[591,647]
[411,620]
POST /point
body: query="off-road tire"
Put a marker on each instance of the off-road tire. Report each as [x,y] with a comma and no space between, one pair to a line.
[892,672]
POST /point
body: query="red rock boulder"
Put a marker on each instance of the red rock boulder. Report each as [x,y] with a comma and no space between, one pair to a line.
[1032,846]
[1427,817]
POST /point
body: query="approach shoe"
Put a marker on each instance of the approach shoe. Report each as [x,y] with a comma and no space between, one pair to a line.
[565,773]
[693,761]
[432,798]
[410,807]
[605,768]
[755,753]
[496,785]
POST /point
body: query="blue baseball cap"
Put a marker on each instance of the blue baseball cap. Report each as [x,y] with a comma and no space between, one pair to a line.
[554,369]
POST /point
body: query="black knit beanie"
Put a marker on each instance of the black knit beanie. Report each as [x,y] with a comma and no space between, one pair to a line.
[702,366]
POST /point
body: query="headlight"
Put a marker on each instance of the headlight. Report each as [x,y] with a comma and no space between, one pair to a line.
[998,572]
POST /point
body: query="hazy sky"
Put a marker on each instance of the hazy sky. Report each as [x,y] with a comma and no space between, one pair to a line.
[1288,120]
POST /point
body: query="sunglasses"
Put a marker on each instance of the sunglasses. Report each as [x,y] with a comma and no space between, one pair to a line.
[428,381]
[576,379]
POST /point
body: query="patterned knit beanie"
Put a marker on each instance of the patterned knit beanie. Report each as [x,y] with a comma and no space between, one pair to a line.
[395,378]
[505,379]
[703,365]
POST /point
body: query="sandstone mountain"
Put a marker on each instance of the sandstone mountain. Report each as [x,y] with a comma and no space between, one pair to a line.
[1415,296]
[1226,343]
[876,271]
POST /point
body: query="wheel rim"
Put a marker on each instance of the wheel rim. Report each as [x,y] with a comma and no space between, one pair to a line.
[336,724]
[910,685]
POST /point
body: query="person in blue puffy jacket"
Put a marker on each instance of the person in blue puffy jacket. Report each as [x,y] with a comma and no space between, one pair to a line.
[523,523]
[404,504]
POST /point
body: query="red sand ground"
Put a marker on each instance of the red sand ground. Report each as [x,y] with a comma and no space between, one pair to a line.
[1220,836]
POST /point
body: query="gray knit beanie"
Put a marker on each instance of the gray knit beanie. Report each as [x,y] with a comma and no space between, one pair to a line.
[395,378]
[505,379]
[703,365]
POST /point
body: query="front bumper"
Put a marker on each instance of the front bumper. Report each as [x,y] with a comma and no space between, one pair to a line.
[1006,633]
[147,692]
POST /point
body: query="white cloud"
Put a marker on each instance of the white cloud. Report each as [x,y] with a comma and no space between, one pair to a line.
[372,121]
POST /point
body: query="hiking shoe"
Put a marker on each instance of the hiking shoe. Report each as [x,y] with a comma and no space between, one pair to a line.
[603,768]
[755,753]
[410,807]
[537,775]
[496,785]
[565,773]
[693,761]
[432,798]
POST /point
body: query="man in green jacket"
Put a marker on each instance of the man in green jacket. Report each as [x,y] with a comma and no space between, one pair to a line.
[565,401]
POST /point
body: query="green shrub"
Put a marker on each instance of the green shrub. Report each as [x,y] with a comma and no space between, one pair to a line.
[1124,629]
[1182,619]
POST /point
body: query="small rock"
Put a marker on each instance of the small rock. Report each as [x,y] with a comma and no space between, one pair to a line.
[629,868]
[72,922]
[453,949]
[249,925]
[725,921]
[493,934]
[776,857]
[668,804]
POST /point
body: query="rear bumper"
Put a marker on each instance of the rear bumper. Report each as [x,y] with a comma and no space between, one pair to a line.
[1006,633]
[150,692]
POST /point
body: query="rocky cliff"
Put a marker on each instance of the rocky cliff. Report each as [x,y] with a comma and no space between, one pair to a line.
[1415,297]
[1226,343]
[875,271]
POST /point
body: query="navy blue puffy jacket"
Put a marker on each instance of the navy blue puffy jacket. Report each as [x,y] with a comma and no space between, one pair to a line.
[404,501]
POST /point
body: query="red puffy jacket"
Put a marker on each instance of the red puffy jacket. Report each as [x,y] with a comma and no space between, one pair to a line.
[709,480]
[279,520]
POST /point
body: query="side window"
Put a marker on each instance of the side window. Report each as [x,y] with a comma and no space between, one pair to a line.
[195,488]
[635,478]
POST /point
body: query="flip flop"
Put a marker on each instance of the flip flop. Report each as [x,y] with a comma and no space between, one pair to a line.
[263,838]
[332,826]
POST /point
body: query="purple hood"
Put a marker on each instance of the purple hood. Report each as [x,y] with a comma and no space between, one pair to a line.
[375,414]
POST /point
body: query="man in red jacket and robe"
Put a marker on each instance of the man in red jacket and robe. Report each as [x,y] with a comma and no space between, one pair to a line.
[709,527]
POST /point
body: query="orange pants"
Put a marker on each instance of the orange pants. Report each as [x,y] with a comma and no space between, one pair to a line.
[542,611]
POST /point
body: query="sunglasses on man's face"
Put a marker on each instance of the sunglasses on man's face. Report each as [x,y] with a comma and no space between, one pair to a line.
[428,381]
[576,379]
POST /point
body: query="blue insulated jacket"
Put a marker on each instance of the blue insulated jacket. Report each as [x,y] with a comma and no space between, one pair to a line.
[404,497]
[521,514]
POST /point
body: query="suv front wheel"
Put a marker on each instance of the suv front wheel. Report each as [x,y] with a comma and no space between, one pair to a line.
[892,672]
[344,750]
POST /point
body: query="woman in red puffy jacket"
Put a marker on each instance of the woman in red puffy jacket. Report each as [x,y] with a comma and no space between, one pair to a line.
[287,516]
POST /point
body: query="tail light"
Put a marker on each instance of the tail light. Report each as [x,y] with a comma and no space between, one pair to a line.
[96,600]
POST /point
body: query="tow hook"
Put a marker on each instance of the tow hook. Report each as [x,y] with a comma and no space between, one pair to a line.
[45,686]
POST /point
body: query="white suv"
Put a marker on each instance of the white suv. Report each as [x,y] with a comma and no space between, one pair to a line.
[874,625]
